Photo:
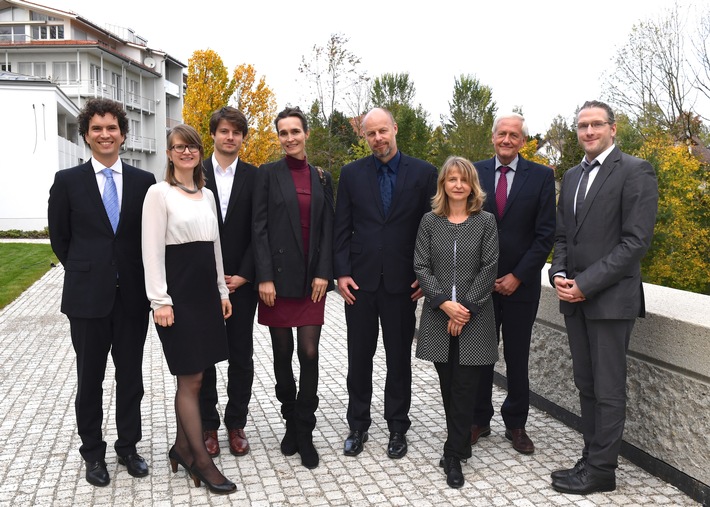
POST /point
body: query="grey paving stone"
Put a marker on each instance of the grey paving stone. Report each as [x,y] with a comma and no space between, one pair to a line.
[40,463]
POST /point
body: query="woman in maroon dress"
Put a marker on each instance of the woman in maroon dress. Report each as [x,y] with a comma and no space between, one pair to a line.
[292,238]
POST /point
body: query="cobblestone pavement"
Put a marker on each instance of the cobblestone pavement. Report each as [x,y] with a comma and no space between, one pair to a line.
[40,463]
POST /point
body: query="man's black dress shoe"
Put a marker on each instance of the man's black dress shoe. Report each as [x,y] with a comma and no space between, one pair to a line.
[566,472]
[354,443]
[584,483]
[97,474]
[397,448]
[452,469]
[135,464]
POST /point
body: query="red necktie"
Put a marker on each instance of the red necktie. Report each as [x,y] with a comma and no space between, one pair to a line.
[502,191]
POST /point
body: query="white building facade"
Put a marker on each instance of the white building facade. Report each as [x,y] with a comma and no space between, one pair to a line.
[84,61]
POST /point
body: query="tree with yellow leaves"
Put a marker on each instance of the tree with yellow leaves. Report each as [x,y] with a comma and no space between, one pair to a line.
[257,102]
[678,256]
[208,89]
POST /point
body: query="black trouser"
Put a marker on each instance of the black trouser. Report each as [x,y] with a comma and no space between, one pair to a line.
[123,335]
[397,317]
[240,332]
[457,382]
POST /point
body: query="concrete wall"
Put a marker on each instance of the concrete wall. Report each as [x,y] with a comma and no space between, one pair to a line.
[668,411]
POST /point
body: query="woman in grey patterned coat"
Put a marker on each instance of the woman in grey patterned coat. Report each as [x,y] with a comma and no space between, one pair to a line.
[455,260]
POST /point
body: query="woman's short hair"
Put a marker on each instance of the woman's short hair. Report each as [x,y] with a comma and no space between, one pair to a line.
[292,111]
[190,136]
[440,201]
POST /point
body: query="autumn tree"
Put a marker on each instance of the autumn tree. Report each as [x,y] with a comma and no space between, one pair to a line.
[256,100]
[678,256]
[470,121]
[208,89]
[654,82]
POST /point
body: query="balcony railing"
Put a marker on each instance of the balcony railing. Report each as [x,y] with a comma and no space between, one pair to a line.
[94,88]
[139,143]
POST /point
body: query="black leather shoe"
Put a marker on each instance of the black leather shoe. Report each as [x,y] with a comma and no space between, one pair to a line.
[397,447]
[452,469]
[135,464]
[355,443]
[584,483]
[97,474]
[566,472]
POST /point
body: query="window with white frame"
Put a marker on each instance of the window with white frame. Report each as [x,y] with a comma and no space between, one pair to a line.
[38,69]
[65,72]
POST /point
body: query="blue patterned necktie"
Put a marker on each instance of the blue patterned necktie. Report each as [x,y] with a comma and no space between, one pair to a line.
[110,199]
[386,187]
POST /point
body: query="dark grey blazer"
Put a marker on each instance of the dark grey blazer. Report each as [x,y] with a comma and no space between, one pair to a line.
[276,231]
[602,252]
[476,267]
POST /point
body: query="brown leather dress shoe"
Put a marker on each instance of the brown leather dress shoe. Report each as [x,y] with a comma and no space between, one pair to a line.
[211,442]
[238,443]
[478,432]
[521,441]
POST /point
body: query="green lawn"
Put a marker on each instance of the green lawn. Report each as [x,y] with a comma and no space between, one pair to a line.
[21,265]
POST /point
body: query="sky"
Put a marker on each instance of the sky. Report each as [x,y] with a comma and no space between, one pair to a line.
[546,57]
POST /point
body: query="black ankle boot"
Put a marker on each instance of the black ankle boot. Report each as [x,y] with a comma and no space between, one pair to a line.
[309,455]
[289,444]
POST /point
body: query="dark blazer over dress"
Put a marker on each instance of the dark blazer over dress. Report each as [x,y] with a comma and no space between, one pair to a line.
[276,231]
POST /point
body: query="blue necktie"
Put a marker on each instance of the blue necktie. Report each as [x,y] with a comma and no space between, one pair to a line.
[110,199]
[386,187]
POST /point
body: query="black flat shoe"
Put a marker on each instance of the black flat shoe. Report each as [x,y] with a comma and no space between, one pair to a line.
[176,459]
[354,444]
[223,488]
[97,474]
[452,469]
[584,483]
[566,472]
[135,464]
[397,447]
[289,444]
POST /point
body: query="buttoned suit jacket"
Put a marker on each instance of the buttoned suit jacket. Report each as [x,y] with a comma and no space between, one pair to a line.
[84,242]
[602,251]
[369,246]
[276,232]
[235,227]
[527,230]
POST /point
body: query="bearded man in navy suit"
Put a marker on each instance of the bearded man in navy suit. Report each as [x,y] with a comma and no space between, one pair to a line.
[381,200]
[104,286]
[521,195]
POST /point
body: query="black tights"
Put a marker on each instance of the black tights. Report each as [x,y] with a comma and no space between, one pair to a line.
[189,442]
[307,337]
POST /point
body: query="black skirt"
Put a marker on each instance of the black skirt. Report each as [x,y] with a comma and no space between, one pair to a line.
[197,339]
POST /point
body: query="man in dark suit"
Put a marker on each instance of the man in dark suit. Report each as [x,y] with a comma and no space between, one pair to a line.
[95,229]
[605,219]
[381,200]
[231,180]
[521,195]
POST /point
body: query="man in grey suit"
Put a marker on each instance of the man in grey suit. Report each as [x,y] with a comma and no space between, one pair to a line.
[605,218]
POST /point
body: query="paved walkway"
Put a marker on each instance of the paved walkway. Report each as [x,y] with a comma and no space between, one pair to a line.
[40,463]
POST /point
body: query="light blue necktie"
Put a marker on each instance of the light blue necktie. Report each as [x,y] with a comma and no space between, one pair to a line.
[110,199]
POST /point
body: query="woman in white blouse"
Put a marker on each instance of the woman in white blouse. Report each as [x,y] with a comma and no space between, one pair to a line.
[190,300]
[456,260]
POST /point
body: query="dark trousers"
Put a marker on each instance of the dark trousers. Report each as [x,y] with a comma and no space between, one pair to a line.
[514,322]
[124,336]
[598,350]
[240,339]
[457,382]
[395,313]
